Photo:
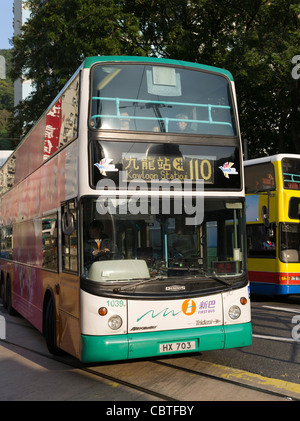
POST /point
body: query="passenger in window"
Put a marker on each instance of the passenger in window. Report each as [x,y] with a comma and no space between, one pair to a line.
[267,182]
[271,180]
[268,244]
[125,122]
[182,125]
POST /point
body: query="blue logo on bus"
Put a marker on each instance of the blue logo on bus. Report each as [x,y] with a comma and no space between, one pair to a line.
[105,165]
[228,169]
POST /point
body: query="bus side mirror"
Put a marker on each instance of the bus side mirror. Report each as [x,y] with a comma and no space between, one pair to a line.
[265,216]
[68,223]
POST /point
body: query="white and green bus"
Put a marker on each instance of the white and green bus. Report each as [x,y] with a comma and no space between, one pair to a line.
[123,215]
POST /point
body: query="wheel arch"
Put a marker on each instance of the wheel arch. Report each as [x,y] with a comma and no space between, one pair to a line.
[49,295]
[2,283]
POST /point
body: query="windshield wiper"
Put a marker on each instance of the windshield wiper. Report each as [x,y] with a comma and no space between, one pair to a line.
[215,278]
[144,281]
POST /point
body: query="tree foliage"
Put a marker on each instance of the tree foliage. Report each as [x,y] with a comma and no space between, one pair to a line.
[254,39]
[6,98]
[59,35]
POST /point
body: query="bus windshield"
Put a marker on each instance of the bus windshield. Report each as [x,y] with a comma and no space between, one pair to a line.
[291,173]
[289,242]
[163,245]
[156,98]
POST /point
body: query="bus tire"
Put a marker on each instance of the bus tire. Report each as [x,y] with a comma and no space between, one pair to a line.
[2,286]
[50,328]
[3,293]
[8,300]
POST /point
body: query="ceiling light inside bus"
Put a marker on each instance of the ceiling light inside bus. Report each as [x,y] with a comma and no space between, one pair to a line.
[115,322]
[234,312]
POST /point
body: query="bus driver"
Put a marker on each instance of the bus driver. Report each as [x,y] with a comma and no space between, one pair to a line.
[95,248]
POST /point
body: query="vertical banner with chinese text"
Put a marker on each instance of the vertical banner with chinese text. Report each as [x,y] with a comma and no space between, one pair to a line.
[52,130]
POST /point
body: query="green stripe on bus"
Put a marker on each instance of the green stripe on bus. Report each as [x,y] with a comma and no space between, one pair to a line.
[90,61]
[146,344]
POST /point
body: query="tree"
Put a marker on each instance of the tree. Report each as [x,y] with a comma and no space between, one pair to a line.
[6,95]
[4,122]
[72,30]
[269,36]
[6,100]
[255,40]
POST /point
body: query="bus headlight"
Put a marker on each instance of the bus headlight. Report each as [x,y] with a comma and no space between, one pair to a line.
[115,322]
[234,312]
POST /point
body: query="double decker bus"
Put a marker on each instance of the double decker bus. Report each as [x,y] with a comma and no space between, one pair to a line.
[273,230]
[123,217]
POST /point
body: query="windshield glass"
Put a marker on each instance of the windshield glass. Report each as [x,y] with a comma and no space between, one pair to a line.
[291,173]
[259,177]
[160,99]
[290,242]
[127,245]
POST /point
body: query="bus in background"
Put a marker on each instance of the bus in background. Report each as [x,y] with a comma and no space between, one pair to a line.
[123,216]
[273,230]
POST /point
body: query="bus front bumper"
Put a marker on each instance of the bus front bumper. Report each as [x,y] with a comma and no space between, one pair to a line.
[157,344]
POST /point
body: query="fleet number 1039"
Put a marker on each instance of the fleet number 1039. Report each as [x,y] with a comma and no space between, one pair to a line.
[115,303]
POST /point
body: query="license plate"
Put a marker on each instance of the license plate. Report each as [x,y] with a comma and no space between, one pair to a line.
[177,346]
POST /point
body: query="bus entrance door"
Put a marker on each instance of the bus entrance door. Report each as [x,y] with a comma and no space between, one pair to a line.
[69,281]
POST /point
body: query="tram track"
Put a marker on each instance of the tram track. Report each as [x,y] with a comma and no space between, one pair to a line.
[81,367]
[99,372]
[179,366]
[229,381]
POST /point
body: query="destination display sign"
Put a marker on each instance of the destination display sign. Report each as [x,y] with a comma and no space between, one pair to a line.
[215,166]
[170,167]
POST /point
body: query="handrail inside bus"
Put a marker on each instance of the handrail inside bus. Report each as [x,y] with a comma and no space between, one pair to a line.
[292,177]
[166,120]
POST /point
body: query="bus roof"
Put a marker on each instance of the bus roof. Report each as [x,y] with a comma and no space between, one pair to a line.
[90,61]
[272,158]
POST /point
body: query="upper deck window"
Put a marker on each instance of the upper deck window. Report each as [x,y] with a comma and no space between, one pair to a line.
[259,177]
[160,99]
[291,173]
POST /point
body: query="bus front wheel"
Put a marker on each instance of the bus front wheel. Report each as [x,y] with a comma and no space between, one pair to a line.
[8,300]
[50,328]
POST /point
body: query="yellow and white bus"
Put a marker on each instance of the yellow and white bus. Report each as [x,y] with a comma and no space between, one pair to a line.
[273,223]
[122,214]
